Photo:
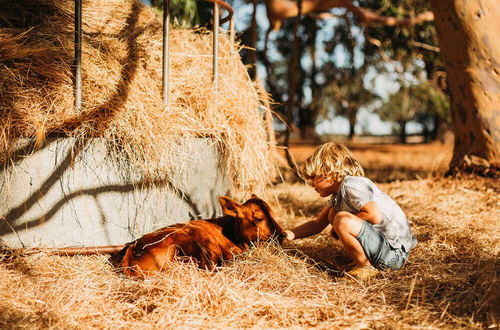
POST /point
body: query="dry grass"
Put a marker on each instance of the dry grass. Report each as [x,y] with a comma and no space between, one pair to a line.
[122,99]
[450,281]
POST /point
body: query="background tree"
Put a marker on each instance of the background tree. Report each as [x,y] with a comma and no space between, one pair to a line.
[435,113]
[187,13]
[346,95]
[346,42]
[409,103]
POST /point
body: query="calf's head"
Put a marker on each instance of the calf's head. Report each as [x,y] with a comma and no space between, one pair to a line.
[254,219]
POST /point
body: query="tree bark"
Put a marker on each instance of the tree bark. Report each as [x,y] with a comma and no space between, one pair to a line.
[470,46]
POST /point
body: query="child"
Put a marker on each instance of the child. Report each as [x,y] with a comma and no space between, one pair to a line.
[370,225]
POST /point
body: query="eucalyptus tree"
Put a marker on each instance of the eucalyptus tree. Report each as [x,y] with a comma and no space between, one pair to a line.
[470,47]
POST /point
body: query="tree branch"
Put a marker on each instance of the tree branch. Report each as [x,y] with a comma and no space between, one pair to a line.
[370,18]
[279,10]
[425,46]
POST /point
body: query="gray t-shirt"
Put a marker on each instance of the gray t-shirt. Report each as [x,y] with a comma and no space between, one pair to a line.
[355,191]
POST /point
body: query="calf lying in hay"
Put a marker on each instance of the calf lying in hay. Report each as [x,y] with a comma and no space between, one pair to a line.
[205,242]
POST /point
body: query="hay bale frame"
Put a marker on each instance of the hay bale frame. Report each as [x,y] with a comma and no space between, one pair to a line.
[70,194]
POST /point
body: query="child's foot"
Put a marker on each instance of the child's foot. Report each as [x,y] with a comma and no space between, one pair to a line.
[361,273]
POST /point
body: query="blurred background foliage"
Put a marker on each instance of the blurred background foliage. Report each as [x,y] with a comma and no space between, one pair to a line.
[341,64]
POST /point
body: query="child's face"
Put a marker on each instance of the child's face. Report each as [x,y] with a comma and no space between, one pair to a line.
[325,186]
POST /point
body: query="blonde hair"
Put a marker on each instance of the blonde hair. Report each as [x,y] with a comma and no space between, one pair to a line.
[331,160]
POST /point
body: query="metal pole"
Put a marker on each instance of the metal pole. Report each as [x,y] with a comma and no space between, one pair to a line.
[216,46]
[78,55]
[166,61]
[231,34]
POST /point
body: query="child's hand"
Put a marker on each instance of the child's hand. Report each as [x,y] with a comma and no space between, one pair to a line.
[289,235]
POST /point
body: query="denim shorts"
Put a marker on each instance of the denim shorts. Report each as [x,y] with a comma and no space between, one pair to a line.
[378,250]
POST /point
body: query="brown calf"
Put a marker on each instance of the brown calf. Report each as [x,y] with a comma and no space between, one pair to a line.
[205,242]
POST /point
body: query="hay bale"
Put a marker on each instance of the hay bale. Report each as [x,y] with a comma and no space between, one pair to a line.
[122,103]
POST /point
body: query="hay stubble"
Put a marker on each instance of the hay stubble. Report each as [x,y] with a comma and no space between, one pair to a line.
[449,282]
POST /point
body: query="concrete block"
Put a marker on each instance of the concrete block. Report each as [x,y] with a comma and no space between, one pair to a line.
[72,194]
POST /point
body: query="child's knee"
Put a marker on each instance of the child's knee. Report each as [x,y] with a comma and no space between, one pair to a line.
[346,222]
[341,220]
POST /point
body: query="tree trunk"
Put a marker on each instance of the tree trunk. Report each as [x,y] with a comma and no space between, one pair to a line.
[470,46]
[426,133]
[436,124]
[402,131]
[308,114]
[352,126]
[252,70]
[294,62]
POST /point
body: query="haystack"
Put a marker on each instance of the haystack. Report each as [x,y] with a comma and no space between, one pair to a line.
[122,100]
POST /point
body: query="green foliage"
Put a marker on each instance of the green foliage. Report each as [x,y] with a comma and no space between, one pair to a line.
[404,44]
[346,95]
[414,102]
[182,12]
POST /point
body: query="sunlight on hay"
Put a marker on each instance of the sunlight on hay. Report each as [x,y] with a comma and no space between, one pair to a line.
[122,99]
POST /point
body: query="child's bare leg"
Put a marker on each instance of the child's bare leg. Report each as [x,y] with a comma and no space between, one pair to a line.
[348,226]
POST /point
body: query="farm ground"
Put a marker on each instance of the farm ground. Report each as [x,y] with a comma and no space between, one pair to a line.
[450,281]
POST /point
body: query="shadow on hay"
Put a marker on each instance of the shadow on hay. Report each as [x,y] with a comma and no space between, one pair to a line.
[9,225]
[460,281]
[456,289]
[44,14]
[12,317]
[104,115]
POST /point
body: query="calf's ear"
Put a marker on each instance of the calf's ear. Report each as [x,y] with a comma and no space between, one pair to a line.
[229,206]
[254,196]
